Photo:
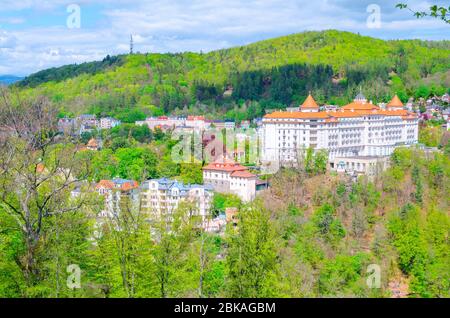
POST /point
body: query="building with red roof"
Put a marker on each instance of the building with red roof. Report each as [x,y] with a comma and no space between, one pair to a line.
[119,194]
[227,176]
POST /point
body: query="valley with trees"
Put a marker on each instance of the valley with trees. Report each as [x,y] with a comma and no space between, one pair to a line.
[312,233]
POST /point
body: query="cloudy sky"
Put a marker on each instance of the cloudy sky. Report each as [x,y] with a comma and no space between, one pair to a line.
[37,34]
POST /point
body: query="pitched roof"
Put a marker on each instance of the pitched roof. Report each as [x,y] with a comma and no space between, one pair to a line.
[395,102]
[122,184]
[310,102]
[243,174]
[329,116]
[356,106]
[196,118]
[296,115]
[92,143]
[108,184]
[225,165]
[40,167]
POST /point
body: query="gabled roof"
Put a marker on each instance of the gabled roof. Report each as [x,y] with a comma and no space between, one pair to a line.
[395,102]
[92,143]
[122,184]
[296,115]
[196,118]
[107,184]
[342,113]
[356,106]
[309,103]
[226,165]
[243,174]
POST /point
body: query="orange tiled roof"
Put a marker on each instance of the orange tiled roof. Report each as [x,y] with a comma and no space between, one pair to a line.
[196,118]
[342,113]
[360,106]
[225,166]
[40,168]
[310,102]
[92,143]
[108,184]
[129,186]
[243,174]
[395,102]
[297,115]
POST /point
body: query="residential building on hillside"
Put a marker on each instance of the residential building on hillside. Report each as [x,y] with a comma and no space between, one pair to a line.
[108,123]
[357,129]
[67,126]
[223,124]
[87,123]
[165,123]
[161,197]
[230,177]
[119,194]
[197,123]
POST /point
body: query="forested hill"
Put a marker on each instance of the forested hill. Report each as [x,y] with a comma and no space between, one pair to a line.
[271,73]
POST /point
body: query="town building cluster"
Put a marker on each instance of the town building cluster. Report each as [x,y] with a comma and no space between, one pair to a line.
[160,198]
[85,123]
[191,123]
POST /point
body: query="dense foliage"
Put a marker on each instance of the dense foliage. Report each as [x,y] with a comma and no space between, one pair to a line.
[312,234]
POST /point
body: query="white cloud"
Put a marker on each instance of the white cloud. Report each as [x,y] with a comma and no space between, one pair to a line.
[7,40]
[191,25]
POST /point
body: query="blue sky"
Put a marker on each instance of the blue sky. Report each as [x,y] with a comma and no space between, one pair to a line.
[34,33]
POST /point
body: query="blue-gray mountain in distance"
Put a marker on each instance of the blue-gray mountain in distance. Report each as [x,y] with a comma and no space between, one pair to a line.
[9,79]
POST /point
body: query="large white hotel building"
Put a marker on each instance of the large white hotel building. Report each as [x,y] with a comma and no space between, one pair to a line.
[359,129]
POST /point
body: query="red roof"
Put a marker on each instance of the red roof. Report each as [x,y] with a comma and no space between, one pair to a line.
[310,102]
[40,168]
[226,165]
[395,102]
[243,174]
[365,110]
[196,118]
[355,106]
[108,184]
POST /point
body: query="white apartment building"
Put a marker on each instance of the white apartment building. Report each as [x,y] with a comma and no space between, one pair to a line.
[197,123]
[161,197]
[164,122]
[357,129]
[119,194]
[108,123]
[231,177]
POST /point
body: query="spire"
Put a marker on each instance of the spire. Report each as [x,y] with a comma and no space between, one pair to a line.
[309,105]
[395,102]
[360,98]
[310,102]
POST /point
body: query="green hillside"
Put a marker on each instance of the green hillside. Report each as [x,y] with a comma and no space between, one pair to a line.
[332,64]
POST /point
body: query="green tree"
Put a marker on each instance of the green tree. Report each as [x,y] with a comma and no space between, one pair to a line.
[251,259]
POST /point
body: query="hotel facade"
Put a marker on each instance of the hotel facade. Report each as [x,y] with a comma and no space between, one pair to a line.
[160,198]
[359,129]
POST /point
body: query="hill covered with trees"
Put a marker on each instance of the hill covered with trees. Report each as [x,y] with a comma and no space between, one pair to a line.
[267,74]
